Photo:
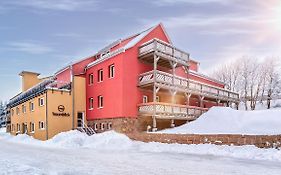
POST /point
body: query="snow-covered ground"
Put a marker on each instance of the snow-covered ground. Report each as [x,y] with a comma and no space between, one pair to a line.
[222,120]
[112,153]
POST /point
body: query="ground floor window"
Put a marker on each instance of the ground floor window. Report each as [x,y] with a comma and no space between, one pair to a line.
[32,127]
[18,127]
[41,125]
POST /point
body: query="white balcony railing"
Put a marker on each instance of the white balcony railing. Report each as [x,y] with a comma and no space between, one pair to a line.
[167,110]
[187,85]
[165,49]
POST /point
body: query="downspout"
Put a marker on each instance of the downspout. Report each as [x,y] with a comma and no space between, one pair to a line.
[73,95]
[47,126]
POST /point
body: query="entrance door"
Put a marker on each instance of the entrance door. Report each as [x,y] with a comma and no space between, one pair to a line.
[24,126]
[80,119]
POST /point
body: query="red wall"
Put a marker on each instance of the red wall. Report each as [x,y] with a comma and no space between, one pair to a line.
[111,89]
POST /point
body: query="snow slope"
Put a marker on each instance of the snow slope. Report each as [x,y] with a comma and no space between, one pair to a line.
[222,120]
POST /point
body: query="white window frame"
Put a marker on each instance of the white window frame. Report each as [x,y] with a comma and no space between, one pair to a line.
[95,126]
[31,106]
[157,98]
[18,128]
[32,127]
[100,102]
[41,101]
[102,126]
[100,75]
[111,71]
[18,110]
[91,103]
[144,99]
[42,125]
[24,109]
[91,79]
[109,126]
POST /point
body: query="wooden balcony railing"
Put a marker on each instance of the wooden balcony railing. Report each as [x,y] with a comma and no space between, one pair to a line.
[171,111]
[164,49]
[166,80]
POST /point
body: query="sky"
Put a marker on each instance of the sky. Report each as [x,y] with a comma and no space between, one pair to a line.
[45,35]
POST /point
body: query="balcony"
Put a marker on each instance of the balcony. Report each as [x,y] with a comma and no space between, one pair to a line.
[168,81]
[171,111]
[164,51]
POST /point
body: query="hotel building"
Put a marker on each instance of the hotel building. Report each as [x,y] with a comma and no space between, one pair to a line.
[139,83]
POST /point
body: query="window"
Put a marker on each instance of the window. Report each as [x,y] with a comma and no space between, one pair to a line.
[96,127]
[157,99]
[102,126]
[32,127]
[91,103]
[18,128]
[100,75]
[23,109]
[41,125]
[41,101]
[100,101]
[31,106]
[18,111]
[91,79]
[144,99]
[109,126]
[111,71]
[13,128]
[12,113]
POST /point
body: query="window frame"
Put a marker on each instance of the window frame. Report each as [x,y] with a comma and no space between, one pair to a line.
[42,125]
[91,103]
[91,79]
[100,75]
[100,102]
[111,71]
[41,100]
[31,106]
[24,109]
[32,127]
[144,99]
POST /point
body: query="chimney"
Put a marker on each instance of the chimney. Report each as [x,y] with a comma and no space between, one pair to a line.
[29,79]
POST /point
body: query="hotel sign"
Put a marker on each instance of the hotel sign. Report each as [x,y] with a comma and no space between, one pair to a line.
[61,112]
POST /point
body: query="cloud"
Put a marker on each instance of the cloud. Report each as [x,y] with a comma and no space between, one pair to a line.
[28,47]
[62,5]
[175,2]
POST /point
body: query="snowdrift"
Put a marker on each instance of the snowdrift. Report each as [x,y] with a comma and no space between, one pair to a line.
[222,120]
[112,141]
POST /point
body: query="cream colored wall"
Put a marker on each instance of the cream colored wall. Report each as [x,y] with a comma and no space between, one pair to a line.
[57,124]
[39,114]
[79,97]
[29,80]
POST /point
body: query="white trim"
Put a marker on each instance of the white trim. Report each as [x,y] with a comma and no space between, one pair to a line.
[106,57]
[43,100]
[42,128]
[91,103]
[100,75]
[100,102]
[111,71]
[144,99]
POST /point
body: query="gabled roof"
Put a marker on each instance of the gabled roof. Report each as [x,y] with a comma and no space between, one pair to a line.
[131,42]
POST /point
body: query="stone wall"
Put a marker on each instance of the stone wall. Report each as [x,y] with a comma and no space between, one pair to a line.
[261,141]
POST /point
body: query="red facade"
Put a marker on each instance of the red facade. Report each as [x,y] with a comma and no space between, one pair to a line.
[120,94]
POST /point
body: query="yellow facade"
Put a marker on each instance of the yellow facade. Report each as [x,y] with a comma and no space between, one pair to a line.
[51,112]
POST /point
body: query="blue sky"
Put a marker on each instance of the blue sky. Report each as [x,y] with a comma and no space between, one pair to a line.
[45,35]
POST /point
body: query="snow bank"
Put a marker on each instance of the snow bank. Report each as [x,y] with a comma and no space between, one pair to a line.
[222,120]
[115,142]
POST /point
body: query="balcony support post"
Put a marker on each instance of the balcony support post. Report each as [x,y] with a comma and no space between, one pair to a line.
[218,102]
[201,99]
[155,90]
